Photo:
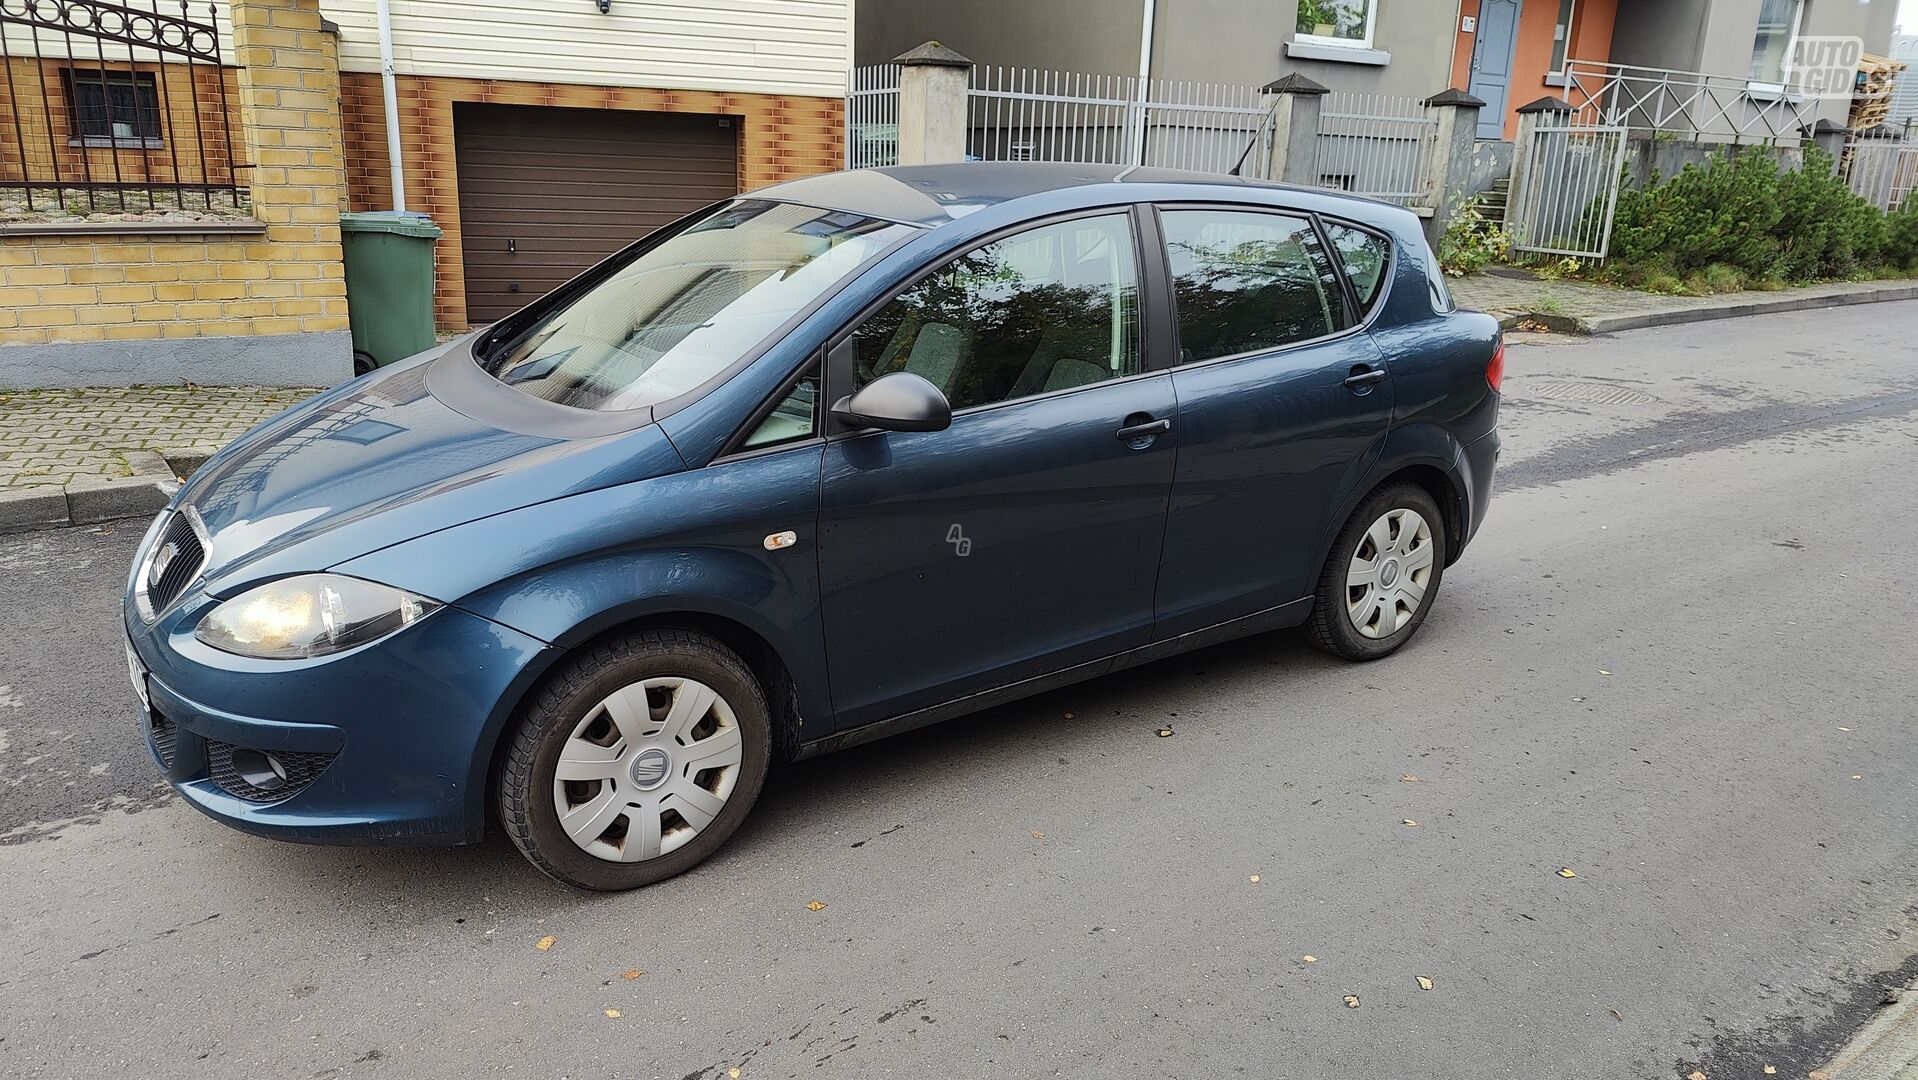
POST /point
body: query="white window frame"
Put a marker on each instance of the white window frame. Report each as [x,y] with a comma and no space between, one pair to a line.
[1571,26]
[1774,90]
[1333,41]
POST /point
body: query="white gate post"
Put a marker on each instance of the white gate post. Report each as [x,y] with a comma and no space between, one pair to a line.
[1451,162]
[932,105]
[1294,153]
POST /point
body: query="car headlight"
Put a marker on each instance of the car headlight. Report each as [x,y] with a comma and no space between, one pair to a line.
[310,615]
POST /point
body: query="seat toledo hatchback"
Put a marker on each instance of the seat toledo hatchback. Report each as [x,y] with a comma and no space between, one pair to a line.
[838,459]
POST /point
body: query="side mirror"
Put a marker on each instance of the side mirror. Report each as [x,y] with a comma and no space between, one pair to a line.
[901,401]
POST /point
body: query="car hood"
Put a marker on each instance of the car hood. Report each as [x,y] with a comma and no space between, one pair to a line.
[382,460]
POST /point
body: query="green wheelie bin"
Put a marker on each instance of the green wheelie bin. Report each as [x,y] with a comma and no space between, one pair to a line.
[389,284]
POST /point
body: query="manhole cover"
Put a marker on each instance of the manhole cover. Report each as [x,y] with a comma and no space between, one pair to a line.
[1585,393]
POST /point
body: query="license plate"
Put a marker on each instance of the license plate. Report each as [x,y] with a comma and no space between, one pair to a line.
[138,673]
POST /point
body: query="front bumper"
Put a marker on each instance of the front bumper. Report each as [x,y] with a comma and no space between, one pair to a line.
[389,743]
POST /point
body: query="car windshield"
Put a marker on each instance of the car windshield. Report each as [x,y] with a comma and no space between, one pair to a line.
[687,308]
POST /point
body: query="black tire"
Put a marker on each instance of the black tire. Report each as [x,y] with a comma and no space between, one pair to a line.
[1330,626]
[363,362]
[526,797]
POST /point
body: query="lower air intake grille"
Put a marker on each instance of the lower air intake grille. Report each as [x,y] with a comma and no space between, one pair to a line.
[260,776]
[162,732]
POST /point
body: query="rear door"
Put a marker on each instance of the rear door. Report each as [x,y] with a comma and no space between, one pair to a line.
[1025,538]
[1283,403]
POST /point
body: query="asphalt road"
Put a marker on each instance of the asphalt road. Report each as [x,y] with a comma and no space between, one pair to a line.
[1678,661]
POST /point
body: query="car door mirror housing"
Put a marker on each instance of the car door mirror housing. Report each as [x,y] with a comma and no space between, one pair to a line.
[901,401]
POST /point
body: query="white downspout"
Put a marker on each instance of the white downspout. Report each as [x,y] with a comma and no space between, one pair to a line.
[1145,77]
[390,91]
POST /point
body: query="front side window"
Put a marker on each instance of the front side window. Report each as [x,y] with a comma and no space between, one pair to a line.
[1048,309]
[795,417]
[111,108]
[686,309]
[1338,22]
[1246,281]
[1771,49]
[1365,256]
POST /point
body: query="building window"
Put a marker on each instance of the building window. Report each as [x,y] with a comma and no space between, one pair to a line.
[1562,35]
[1771,49]
[113,108]
[1338,22]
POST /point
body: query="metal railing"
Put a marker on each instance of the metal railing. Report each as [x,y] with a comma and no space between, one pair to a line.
[1565,194]
[1691,104]
[1377,145]
[116,108]
[1882,167]
[872,117]
[1017,114]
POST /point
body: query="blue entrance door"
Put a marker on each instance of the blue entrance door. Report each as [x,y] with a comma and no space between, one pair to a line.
[1493,49]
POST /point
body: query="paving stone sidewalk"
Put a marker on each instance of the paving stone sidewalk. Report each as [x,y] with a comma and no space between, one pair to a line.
[1583,308]
[75,456]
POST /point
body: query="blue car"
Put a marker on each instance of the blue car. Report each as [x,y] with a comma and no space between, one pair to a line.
[838,459]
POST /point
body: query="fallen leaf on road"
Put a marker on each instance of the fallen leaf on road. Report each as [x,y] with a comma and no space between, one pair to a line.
[1817,1074]
[1771,1070]
[545,943]
[613,1013]
[1856,776]
[1165,733]
[1254,879]
[816,905]
[1036,834]
[1566,872]
[1408,778]
[1578,699]
[733,1073]
[632,973]
[1310,959]
[1409,823]
[1616,1015]
[1424,983]
[1351,1001]
[1695,1075]
[1602,671]
[1844,729]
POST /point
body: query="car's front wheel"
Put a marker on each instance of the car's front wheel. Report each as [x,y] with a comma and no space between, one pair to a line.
[1381,576]
[636,760]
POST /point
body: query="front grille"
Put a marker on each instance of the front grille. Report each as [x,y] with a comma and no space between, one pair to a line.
[301,768]
[178,555]
[162,731]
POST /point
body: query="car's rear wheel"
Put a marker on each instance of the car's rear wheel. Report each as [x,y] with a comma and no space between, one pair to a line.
[1381,576]
[636,760]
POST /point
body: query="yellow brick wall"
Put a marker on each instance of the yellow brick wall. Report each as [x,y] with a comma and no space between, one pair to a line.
[121,283]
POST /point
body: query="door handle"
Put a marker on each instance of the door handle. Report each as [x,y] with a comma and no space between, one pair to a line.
[1144,431]
[1364,378]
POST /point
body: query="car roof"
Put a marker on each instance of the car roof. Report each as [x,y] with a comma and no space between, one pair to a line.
[932,195]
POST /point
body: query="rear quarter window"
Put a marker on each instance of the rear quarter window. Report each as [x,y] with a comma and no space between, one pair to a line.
[1365,256]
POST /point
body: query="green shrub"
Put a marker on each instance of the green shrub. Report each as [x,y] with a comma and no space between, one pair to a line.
[1471,242]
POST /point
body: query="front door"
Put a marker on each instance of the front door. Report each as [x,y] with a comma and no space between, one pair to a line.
[1282,406]
[1025,538]
[1494,49]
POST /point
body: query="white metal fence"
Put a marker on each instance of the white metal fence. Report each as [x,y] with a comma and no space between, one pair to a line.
[1882,171]
[1566,193]
[1378,146]
[872,117]
[1018,114]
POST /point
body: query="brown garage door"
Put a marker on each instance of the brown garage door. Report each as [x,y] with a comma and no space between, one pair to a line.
[546,192]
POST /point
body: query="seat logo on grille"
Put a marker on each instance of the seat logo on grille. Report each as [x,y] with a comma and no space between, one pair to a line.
[161,560]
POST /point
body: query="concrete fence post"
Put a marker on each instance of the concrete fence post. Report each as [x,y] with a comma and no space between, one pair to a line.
[932,105]
[1829,137]
[1293,154]
[1449,168]
[1545,112]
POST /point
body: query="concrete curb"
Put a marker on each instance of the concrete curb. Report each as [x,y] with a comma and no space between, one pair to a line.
[1886,1048]
[91,500]
[1612,324]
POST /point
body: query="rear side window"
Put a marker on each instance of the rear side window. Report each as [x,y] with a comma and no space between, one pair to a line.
[1246,281]
[1365,255]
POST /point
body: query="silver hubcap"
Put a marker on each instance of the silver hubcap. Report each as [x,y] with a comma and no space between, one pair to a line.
[1390,571]
[646,769]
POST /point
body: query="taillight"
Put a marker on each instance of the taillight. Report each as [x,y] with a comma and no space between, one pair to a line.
[1495,371]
